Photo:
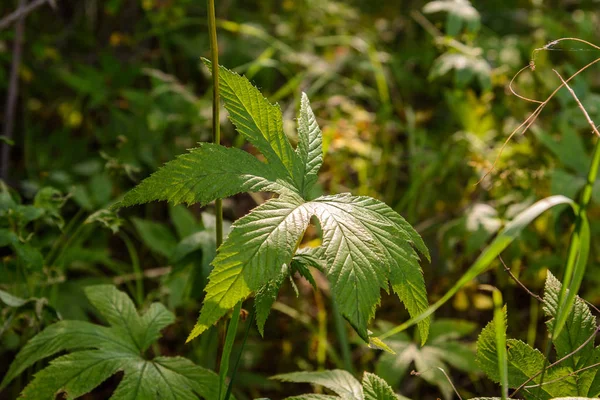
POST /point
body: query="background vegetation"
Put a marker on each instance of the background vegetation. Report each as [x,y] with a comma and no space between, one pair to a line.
[413,103]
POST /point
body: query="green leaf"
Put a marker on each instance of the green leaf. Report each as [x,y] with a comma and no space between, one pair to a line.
[310,146]
[10,300]
[368,246]
[50,200]
[184,221]
[302,260]
[206,173]
[99,351]
[523,363]
[258,120]
[203,240]
[376,388]
[7,237]
[29,255]
[265,297]
[580,325]
[254,254]
[340,382]
[442,349]
[577,258]
[106,218]
[74,374]
[156,236]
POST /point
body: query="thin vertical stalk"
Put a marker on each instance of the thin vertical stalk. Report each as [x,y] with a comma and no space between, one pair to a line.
[223,362]
[137,269]
[342,336]
[237,362]
[500,326]
[226,354]
[216,127]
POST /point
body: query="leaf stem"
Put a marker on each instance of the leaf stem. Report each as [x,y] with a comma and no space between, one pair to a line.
[342,336]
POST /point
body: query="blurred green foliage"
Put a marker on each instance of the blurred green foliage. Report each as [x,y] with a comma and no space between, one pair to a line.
[413,102]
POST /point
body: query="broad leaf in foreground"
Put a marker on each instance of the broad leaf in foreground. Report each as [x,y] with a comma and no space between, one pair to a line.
[568,378]
[256,251]
[258,120]
[366,246]
[98,352]
[206,173]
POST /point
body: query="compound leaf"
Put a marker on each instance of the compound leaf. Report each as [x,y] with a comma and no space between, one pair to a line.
[98,352]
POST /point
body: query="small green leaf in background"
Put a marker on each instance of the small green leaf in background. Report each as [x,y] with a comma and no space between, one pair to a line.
[97,352]
[459,12]
[343,384]
[184,221]
[524,362]
[29,256]
[446,348]
[107,218]
[338,381]
[376,388]
[50,200]
[156,236]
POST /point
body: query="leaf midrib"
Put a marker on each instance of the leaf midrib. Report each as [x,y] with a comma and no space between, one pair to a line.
[253,119]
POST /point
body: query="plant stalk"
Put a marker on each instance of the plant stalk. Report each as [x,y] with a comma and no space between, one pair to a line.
[223,361]
[216,127]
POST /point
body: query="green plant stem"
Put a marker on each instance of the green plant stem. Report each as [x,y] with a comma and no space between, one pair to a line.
[500,325]
[237,362]
[51,257]
[342,336]
[223,365]
[137,270]
[226,354]
[216,127]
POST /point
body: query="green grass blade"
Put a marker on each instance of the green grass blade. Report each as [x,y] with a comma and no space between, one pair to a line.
[229,340]
[574,272]
[500,324]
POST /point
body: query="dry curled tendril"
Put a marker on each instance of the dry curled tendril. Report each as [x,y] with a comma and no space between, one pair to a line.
[525,125]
